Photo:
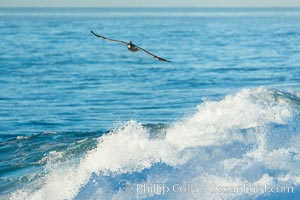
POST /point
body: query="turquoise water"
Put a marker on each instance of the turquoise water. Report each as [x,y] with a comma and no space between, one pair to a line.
[82,118]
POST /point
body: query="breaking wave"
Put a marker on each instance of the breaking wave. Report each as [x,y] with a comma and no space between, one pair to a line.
[247,139]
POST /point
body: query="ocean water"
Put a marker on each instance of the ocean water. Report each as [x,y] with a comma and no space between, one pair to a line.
[83,118]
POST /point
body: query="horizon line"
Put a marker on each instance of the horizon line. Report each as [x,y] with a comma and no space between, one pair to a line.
[145,7]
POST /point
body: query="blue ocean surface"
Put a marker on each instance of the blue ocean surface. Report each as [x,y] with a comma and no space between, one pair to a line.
[84,118]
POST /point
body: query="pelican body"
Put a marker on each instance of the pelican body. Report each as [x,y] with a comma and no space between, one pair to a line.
[131,47]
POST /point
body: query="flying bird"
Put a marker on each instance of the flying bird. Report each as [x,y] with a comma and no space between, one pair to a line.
[132,47]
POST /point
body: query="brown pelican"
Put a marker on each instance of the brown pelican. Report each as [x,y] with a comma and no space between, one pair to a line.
[131,47]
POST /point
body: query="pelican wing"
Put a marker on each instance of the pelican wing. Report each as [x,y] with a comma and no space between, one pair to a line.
[105,38]
[151,54]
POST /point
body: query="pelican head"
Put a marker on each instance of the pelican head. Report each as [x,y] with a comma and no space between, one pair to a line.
[129,45]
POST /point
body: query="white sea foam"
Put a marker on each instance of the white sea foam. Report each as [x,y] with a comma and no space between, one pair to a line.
[243,139]
[22,137]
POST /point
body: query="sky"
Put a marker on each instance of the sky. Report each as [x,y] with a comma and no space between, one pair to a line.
[149,3]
